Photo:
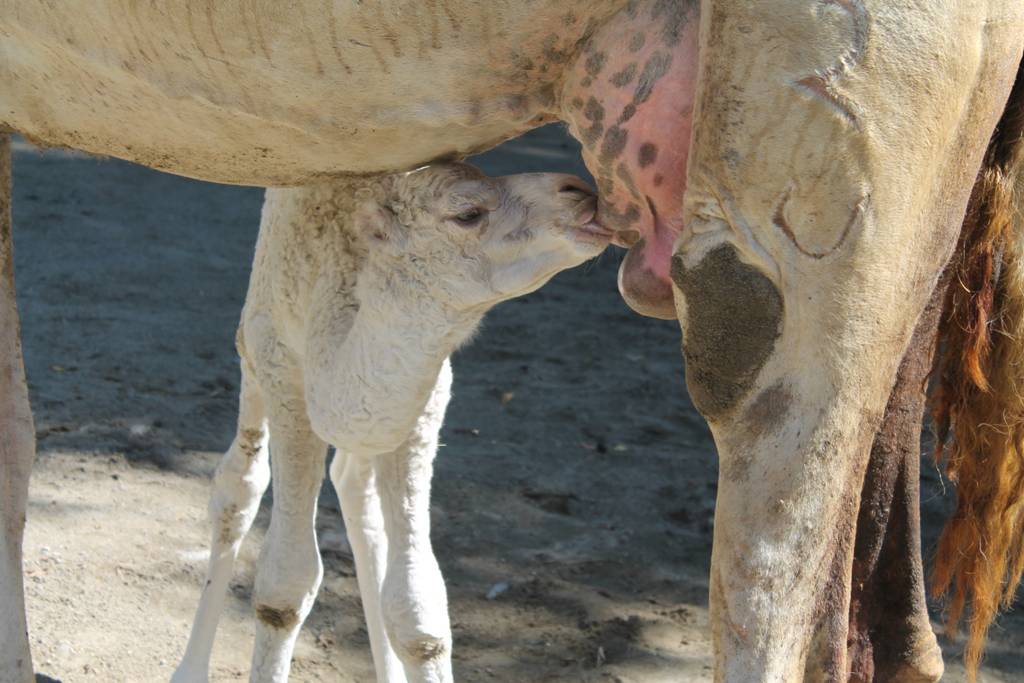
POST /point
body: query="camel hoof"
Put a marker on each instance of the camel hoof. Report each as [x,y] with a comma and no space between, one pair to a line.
[923,666]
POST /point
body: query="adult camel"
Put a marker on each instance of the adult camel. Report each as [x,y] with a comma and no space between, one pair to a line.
[792,176]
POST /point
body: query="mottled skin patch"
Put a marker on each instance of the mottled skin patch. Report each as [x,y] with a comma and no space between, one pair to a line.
[673,15]
[621,220]
[521,61]
[595,63]
[648,154]
[277,618]
[249,442]
[764,414]
[768,409]
[593,112]
[654,68]
[228,524]
[426,650]
[621,79]
[647,90]
[658,179]
[733,318]
[553,52]
[623,174]
[613,144]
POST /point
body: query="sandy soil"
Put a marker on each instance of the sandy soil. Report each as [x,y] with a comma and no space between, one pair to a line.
[577,482]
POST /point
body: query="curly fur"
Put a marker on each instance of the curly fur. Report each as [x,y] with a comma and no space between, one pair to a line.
[978,403]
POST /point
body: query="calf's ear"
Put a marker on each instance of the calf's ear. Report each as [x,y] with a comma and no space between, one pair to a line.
[377,224]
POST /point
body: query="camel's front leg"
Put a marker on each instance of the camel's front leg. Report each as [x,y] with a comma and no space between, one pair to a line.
[17,451]
[834,146]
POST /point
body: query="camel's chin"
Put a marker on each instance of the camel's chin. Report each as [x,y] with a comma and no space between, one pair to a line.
[642,289]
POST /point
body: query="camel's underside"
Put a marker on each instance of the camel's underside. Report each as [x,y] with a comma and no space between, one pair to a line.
[227,93]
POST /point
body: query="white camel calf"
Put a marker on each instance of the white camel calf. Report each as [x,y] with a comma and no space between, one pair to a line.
[359,292]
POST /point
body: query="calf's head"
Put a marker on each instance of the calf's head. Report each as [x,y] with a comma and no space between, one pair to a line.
[472,241]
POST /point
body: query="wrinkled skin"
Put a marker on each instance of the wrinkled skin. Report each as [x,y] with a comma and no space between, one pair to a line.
[792,194]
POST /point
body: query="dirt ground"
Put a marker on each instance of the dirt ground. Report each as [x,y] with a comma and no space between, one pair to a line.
[576,484]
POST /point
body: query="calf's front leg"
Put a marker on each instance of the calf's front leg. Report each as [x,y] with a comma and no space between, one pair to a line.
[834,146]
[413,597]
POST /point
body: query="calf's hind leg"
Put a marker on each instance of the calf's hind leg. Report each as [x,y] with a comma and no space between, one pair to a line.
[241,479]
[17,451]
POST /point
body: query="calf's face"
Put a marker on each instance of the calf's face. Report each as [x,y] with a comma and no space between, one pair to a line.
[475,240]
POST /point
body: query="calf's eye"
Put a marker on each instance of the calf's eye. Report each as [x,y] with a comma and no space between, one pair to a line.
[469,217]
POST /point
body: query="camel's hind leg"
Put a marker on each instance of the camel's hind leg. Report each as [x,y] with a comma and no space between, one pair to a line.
[17,451]
[834,147]
[891,639]
[238,486]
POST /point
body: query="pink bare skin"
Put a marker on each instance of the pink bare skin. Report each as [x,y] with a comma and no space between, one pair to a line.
[629,100]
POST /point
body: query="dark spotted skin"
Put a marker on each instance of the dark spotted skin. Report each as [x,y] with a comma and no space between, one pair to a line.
[673,14]
[623,78]
[654,68]
[637,78]
[613,144]
[733,319]
[648,154]
[277,618]
[627,113]
[594,113]
[594,63]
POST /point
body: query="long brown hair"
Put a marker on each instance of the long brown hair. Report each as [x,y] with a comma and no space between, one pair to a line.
[978,402]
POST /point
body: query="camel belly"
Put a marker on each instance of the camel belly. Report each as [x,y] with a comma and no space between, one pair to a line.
[281,93]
